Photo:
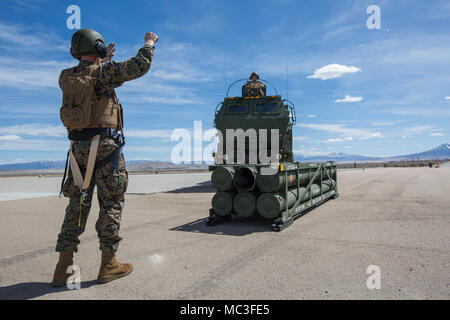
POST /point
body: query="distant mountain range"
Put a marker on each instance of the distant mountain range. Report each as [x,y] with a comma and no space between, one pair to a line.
[35,165]
[440,153]
[335,156]
[48,165]
[132,165]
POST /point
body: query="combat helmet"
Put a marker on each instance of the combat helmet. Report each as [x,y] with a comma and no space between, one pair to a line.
[88,42]
[254,74]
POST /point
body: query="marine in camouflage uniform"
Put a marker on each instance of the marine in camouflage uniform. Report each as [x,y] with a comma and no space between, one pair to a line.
[111,178]
[254,87]
[111,184]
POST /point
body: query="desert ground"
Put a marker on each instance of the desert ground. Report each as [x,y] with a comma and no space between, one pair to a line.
[397,219]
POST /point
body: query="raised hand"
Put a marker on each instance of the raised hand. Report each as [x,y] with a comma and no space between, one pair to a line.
[151,38]
[111,52]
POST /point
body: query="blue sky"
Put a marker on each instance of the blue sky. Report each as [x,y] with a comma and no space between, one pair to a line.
[370,92]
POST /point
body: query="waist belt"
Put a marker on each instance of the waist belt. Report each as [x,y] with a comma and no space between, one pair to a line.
[86,134]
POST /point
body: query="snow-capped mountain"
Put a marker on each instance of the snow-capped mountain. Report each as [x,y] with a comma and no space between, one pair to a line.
[439,153]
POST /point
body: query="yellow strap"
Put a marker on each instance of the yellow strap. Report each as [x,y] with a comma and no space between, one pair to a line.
[79,217]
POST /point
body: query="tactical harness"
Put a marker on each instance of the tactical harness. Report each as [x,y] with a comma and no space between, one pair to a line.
[92,164]
[87,117]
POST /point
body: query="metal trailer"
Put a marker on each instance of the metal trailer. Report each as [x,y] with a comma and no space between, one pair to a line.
[302,186]
[318,171]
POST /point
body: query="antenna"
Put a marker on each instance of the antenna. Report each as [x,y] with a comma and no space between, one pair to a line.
[226,80]
[287,76]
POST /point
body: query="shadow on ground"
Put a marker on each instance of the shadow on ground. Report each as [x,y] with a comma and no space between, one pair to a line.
[202,187]
[234,227]
[30,290]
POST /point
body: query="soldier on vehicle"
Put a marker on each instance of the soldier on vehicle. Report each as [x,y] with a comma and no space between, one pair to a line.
[254,87]
[93,116]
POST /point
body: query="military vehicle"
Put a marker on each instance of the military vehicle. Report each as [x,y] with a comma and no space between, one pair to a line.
[280,190]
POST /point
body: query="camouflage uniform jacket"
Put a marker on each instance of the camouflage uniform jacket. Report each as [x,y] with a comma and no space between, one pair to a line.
[253,89]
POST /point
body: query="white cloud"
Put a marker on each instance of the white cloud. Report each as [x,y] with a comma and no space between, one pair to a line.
[384,123]
[333,71]
[17,35]
[172,100]
[373,135]
[23,78]
[149,133]
[437,134]
[311,116]
[183,62]
[142,149]
[418,130]
[424,112]
[31,74]
[340,140]
[300,138]
[25,4]
[447,98]
[34,129]
[349,99]
[34,145]
[345,131]
[10,138]
[309,152]
[22,37]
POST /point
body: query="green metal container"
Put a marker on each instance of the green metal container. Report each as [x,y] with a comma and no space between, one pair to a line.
[270,205]
[244,178]
[222,203]
[222,178]
[244,204]
[273,183]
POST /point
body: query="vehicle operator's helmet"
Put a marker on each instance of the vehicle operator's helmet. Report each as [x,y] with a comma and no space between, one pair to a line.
[254,74]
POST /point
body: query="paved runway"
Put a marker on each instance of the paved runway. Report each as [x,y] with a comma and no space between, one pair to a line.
[12,188]
[397,219]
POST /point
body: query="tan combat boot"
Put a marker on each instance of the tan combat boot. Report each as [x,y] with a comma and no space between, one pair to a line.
[111,269]
[60,277]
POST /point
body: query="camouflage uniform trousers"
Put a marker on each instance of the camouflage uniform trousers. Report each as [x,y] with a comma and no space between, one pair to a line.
[111,181]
